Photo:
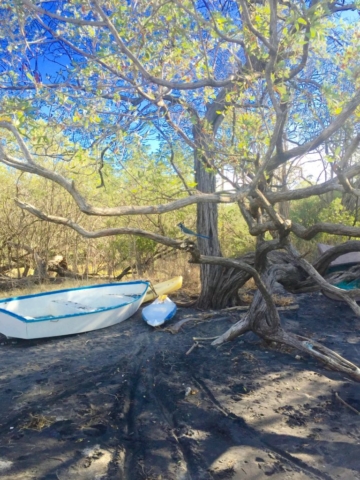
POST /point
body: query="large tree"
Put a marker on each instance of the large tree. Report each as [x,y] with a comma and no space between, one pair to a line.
[248,87]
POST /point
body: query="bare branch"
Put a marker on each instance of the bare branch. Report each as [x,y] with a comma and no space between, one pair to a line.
[310,270]
[331,228]
[300,193]
[323,262]
[99,233]
[337,123]
[9,126]
[31,167]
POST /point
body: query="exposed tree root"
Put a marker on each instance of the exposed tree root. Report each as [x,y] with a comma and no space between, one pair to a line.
[309,346]
[264,321]
[242,326]
[320,352]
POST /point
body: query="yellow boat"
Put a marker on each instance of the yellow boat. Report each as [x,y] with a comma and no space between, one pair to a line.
[164,288]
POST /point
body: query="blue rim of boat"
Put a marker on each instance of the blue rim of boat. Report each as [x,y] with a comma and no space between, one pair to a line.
[171,314]
[55,319]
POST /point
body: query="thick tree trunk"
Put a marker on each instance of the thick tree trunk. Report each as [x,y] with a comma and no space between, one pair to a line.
[207,224]
[219,285]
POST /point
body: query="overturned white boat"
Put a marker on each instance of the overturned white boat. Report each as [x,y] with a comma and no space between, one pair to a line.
[71,311]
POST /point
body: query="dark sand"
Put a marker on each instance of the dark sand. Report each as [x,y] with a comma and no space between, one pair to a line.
[111,404]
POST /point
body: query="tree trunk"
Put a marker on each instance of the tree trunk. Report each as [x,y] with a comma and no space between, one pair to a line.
[207,224]
[219,285]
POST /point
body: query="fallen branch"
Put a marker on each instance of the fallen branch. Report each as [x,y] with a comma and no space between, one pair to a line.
[192,348]
[346,404]
[177,326]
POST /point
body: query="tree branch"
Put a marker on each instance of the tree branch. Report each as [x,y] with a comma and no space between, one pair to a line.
[337,123]
[324,285]
[99,233]
[252,29]
[323,262]
[31,167]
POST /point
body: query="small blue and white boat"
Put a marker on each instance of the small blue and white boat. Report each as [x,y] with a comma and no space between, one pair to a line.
[159,311]
[71,311]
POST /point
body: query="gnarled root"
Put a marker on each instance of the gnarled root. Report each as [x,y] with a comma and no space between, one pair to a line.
[240,327]
[306,345]
[324,354]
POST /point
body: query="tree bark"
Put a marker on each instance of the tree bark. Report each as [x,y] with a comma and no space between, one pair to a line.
[207,224]
[219,286]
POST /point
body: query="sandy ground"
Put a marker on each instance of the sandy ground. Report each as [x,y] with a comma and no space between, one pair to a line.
[111,404]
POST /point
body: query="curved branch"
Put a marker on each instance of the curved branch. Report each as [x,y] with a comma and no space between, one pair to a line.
[305,53]
[331,228]
[108,232]
[78,50]
[307,147]
[9,126]
[239,265]
[323,262]
[324,285]
[30,166]
[300,193]
[221,35]
[251,27]
[172,156]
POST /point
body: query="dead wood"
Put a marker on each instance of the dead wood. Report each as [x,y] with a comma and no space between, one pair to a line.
[346,404]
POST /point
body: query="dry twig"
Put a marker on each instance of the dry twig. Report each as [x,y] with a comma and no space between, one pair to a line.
[192,348]
[346,404]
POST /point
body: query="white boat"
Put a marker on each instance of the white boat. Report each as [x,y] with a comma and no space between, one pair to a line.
[71,311]
[159,311]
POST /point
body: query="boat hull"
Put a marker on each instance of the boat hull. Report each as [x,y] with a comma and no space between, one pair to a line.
[158,312]
[72,311]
